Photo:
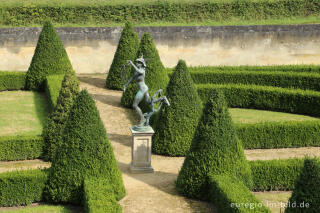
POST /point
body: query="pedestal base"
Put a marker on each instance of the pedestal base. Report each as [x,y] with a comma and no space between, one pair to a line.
[137,170]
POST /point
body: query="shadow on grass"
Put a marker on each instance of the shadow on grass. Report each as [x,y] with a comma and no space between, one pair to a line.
[41,107]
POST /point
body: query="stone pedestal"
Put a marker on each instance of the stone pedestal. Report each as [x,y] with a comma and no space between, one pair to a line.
[141,151]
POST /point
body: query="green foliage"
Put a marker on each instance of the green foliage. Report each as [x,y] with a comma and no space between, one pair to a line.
[177,122]
[99,12]
[267,98]
[22,187]
[307,189]
[270,135]
[99,197]
[85,151]
[156,75]
[230,195]
[49,58]
[126,50]
[300,80]
[20,147]
[52,89]
[52,132]
[215,149]
[12,80]
[274,175]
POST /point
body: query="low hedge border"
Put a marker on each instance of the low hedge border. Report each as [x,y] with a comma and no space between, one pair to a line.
[299,80]
[20,147]
[230,195]
[16,13]
[52,88]
[274,175]
[279,134]
[12,80]
[22,187]
[99,196]
[267,98]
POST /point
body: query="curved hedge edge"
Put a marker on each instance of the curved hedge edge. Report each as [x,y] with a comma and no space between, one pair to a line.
[99,196]
[275,175]
[53,85]
[20,147]
[230,195]
[297,101]
[12,80]
[22,187]
[288,134]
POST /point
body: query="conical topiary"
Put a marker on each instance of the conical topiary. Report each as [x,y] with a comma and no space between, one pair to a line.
[85,151]
[156,75]
[49,58]
[177,123]
[306,194]
[52,132]
[126,50]
[215,149]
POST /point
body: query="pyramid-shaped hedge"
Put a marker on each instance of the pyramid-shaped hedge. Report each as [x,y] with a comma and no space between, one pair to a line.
[177,122]
[156,75]
[215,149]
[126,50]
[85,152]
[307,189]
[52,132]
[49,58]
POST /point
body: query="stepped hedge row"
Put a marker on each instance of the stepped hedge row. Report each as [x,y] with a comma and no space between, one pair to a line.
[34,12]
[300,80]
[52,89]
[270,135]
[267,98]
[20,147]
[12,80]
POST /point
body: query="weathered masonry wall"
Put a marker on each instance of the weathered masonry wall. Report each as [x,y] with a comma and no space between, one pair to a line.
[91,50]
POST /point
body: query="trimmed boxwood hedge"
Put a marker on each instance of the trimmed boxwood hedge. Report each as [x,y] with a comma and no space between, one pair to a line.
[50,58]
[12,80]
[99,197]
[306,193]
[275,175]
[279,134]
[265,97]
[300,80]
[52,89]
[126,50]
[99,12]
[20,147]
[215,149]
[85,151]
[22,187]
[177,123]
[230,195]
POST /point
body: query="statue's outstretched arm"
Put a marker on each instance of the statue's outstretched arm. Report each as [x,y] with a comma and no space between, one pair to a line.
[135,67]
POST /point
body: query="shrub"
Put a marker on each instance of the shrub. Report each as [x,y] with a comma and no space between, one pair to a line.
[274,175]
[267,98]
[49,58]
[215,149]
[12,80]
[99,197]
[307,189]
[156,75]
[52,132]
[52,89]
[230,195]
[126,50]
[301,80]
[22,187]
[85,151]
[20,147]
[177,122]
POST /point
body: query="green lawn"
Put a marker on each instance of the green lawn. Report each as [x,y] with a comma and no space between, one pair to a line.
[42,209]
[22,113]
[249,116]
[274,200]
